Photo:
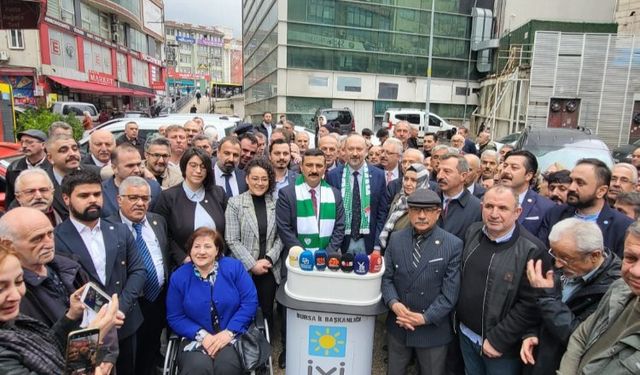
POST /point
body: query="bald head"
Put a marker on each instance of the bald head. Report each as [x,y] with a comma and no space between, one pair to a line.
[356,150]
[474,169]
[31,233]
[101,145]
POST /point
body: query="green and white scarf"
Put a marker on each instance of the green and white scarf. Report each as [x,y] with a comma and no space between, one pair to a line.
[365,199]
[315,233]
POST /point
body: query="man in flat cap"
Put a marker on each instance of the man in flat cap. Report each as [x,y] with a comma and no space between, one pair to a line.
[420,286]
[32,146]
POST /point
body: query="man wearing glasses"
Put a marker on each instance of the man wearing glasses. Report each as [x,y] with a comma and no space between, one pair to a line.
[157,154]
[32,146]
[150,233]
[585,270]
[390,159]
[34,189]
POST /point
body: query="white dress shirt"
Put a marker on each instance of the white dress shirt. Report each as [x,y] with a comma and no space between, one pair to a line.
[220,180]
[149,237]
[94,242]
[201,217]
[98,162]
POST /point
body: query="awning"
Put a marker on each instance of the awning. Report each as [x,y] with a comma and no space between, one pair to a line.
[90,88]
[143,94]
[6,71]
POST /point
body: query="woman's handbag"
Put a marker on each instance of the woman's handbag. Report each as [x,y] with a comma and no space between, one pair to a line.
[253,348]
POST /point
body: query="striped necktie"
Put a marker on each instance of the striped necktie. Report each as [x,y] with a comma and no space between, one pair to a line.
[152,285]
[416,251]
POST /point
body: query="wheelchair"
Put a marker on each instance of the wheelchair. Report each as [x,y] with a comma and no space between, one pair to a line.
[173,346]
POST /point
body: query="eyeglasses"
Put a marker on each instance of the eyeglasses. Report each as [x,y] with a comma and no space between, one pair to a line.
[29,142]
[32,192]
[423,209]
[159,156]
[134,198]
[196,166]
[562,260]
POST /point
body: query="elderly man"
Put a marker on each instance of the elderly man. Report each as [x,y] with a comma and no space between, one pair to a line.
[411,156]
[34,189]
[101,145]
[586,199]
[587,270]
[248,148]
[50,279]
[192,128]
[518,172]
[607,341]
[131,131]
[362,187]
[460,208]
[402,132]
[420,285]
[157,154]
[558,186]
[470,182]
[494,306]
[436,153]
[125,162]
[150,233]
[329,145]
[226,173]
[485,143]
[489,161]
[178,138]
[32,144]
[624,179]
[59,128]
[628,204]
[457,141]
[390,159]
[504,150]
[302,140]
[289,128]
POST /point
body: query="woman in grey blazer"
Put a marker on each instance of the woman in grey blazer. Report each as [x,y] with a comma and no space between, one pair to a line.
[251,232]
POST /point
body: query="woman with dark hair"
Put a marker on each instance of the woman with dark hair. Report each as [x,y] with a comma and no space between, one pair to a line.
[210,301]
[252,235]
[196,202]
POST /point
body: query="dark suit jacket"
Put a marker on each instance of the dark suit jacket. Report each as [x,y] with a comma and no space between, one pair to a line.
[178,211]
[379,205]
[13,171]
[58,203]
[241,178]
[159,226]
[110,194]
[469,147]
[612,223]
[478,190]
[534,207]
[126,274]
[138,143]
[263,129]
[460,214]
[286,215]
[431,288]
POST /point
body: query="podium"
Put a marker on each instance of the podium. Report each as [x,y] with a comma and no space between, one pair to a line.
[330,320]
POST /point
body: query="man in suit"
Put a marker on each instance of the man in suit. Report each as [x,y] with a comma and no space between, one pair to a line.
[420,285]
[363,191]
[518,172]
[298,209]
[266,127]
[624,179]
[157,153]
[192,128]
[126,162]
[474,173]
[64,156]
[586,199]
[329,145]
[390,159]
[280,156]
[248,149]
[410,156]
[469,147]
[131,137]
[489,160]
[35,156]
[101,145]
[460,207]
[34,189]
[150,233]
[402,132]
[226,173]
[107,253]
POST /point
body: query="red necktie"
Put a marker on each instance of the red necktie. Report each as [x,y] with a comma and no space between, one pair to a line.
[314,201]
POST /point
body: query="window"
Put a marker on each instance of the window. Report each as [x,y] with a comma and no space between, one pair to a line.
[387,90]
[319,81]
[349,84]
[62,10]
[462,91]
[16,39]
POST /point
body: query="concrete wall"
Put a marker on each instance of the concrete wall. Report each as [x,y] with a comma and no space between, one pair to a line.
[27,57]
[628,17]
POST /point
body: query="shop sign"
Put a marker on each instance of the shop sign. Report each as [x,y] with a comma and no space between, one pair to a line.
[158,86]
[55,47]
[211,42]
[185,39]
[101,78]
[150,59]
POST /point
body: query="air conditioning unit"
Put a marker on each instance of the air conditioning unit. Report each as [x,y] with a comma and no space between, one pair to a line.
[4,56]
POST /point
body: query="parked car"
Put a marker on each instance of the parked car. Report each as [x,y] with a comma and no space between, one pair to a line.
[622,154]
[131,114]
[8,153]
[75,108]
[416,116]
[343,116]
[565,146]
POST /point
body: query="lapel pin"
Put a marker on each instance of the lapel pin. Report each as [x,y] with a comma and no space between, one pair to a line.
[529,200]
[155,222]
[606,222]
[437,242]
[206,201]
[111,227]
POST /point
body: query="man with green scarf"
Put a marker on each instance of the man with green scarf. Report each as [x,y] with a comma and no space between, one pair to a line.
[365,198]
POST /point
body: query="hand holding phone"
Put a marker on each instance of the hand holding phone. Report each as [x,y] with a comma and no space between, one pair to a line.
[82,349]
[93,297]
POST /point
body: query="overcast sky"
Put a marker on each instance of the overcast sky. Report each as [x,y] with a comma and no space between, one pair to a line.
[207,12]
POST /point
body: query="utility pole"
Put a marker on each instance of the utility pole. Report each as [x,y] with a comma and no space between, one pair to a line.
[427,105]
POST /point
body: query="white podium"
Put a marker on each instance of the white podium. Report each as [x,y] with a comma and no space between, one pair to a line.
[330,320]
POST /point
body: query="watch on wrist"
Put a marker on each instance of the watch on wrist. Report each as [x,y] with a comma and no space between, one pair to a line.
[200,335]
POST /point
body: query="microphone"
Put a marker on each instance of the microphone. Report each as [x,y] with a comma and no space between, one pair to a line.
[334,262]
[361,264]
[321,259]
[306,260]
[294,254]
[346,262]
[375,262]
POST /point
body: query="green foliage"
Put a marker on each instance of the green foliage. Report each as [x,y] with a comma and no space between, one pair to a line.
[42,118]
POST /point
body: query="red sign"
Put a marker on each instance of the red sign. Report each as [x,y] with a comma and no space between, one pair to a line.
[101,78]
[189,76]
[55,47]
[158,86]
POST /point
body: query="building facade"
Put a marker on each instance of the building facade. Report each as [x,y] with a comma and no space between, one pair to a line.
[105,52]
[301,55]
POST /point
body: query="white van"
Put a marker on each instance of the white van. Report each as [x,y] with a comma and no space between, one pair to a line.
[416,116]
[75,108]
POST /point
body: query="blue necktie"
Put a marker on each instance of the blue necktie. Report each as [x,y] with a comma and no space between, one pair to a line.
[227,185]
[151,286]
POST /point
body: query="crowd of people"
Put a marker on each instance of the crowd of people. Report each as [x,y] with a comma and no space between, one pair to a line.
[492,266]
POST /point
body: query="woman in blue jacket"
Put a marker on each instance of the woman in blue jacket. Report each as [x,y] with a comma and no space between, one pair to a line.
[210,301]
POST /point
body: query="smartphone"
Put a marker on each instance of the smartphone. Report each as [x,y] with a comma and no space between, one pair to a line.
[82,349]
[94,298]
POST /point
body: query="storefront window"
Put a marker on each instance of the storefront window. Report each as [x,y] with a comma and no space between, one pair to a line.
[97,58]
[140,72]
[122,67]
[64,50]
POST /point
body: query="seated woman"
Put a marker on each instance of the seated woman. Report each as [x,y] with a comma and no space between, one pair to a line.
[209,302]
[416,177]
[28,346]
[252,235]
[196,202]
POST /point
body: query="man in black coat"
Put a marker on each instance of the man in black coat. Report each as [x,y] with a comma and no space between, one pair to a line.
[588,269]
[130,135]
[35,156]
[266,127]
